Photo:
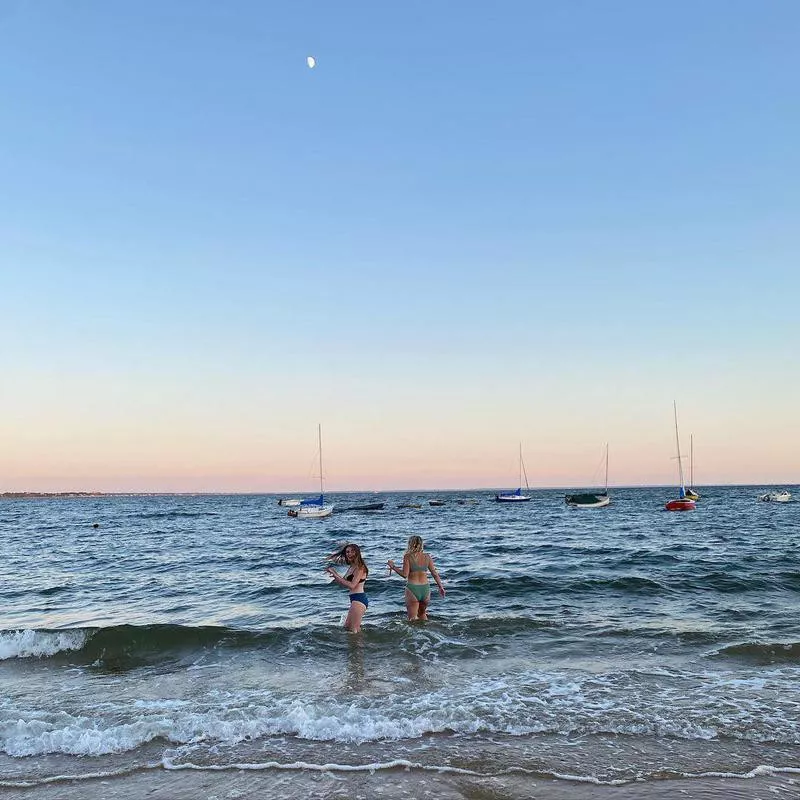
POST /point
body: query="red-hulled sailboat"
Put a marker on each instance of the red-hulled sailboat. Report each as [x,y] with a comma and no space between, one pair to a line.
[682,503]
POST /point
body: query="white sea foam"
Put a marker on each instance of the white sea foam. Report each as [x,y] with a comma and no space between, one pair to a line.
[516,705]
[35,644]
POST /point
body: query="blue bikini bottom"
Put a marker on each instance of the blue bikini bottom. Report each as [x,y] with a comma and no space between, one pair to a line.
[360,597]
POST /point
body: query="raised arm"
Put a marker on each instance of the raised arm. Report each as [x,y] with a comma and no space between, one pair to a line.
[436,577]
[403,573]
[358,576]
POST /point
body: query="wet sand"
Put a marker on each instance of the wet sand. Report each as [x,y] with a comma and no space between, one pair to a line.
[233,784]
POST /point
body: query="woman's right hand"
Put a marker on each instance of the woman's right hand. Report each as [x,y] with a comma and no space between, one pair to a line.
[391,565]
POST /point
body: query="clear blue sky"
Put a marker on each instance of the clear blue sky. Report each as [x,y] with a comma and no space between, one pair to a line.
[471,224]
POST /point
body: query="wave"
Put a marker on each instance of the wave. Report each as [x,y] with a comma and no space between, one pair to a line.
[763,653]
[521,705]
[121,647]
[39,644]
[406,765]
[125,647]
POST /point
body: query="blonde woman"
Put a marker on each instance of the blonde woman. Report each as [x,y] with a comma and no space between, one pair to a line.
[354,580]
[416,566]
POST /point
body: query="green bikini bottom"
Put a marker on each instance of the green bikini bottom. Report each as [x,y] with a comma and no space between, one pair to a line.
[422,591]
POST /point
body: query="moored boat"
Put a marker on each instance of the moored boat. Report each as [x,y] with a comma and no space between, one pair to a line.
[364,507]
[682,502]
[289,501]
[590,499]
[314,507]
[690,491]
[776,496]
[518,496]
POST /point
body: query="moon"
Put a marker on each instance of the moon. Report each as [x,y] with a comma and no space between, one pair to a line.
[311,61]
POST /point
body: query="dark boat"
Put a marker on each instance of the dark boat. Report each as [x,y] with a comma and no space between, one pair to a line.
[365,507]
[590,499]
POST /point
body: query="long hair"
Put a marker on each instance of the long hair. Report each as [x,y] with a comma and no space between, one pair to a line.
[340,557]
[414,544]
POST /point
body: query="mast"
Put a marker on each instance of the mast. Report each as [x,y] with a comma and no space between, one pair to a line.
[319,436]
[606,467]
[522,470]
[678,447]
[691,460]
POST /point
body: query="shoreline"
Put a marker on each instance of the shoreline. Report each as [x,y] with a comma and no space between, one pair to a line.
[248,784]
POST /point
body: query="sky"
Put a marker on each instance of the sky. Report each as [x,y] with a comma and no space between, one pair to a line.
[470,226]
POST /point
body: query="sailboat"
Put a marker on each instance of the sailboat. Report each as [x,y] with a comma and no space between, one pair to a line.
[516,497]
[683,503]
[590,499]
[690,492]
[314,507]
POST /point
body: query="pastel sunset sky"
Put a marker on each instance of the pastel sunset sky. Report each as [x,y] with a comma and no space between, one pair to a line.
[470,225]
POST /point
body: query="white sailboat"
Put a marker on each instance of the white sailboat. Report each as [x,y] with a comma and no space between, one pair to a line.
[314,507]
[516,497]
[690,491]
[590,499]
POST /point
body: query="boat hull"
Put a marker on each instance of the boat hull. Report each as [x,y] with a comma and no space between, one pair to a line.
[512,498]
[310,512]
[587,500]
[289,501]
[776,497]
[681,504]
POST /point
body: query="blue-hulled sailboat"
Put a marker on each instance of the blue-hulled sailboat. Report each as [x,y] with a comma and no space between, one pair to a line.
[314,507]
[518,496]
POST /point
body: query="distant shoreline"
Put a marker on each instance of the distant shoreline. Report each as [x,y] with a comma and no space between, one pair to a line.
[39,495]
[481,490]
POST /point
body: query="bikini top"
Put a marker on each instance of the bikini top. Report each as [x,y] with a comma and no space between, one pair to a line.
[412,567]
[351,575]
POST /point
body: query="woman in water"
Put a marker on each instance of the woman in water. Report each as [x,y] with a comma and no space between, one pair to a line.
[416,565]
[354,580]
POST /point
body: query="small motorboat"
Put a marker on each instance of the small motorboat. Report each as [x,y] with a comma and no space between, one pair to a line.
[776,496]
[410,505]
[289,501]
[435,502]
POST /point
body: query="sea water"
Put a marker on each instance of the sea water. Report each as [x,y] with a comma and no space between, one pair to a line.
[609,645]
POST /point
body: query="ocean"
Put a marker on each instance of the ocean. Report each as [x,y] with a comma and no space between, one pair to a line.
[191,637]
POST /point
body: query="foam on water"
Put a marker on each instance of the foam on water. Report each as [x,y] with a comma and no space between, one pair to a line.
[707,707]
[36,644]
